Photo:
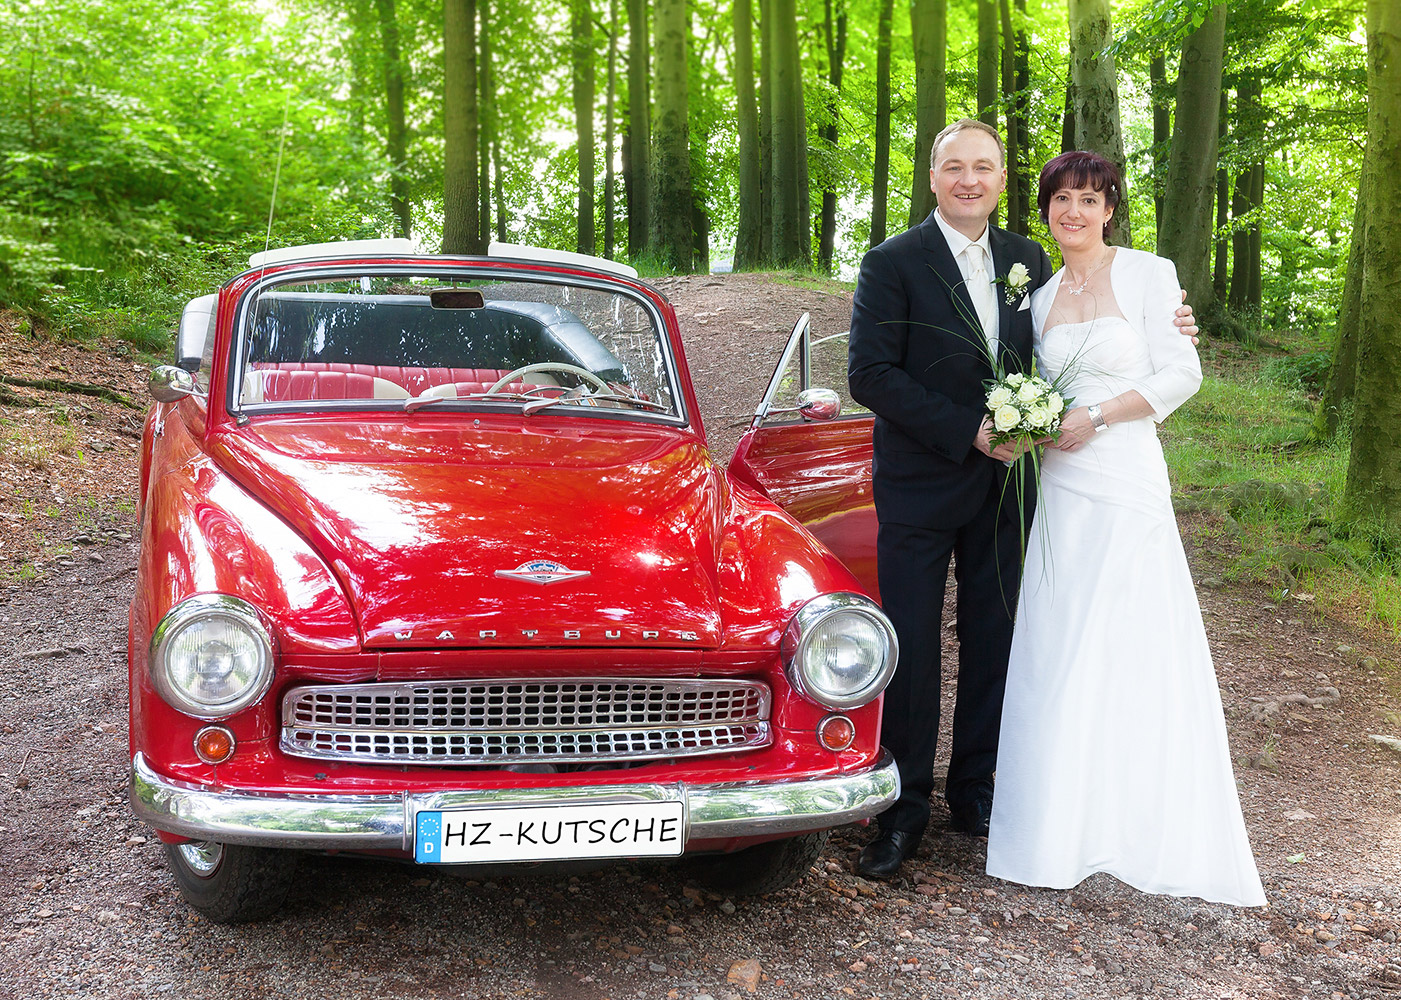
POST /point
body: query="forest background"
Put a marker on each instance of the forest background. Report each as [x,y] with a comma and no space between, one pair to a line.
[141,144]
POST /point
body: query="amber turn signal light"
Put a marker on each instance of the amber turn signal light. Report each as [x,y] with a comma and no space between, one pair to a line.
[214,744]
[836,732]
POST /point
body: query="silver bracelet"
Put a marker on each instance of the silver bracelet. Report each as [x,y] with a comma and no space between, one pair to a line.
[1096,418]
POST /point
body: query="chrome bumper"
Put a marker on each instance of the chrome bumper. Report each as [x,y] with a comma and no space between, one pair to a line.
[387,821]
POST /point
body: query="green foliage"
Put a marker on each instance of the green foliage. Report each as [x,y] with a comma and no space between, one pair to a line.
[1254,491]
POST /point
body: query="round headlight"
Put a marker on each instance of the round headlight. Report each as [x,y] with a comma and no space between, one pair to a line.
[211,656]
[839,650]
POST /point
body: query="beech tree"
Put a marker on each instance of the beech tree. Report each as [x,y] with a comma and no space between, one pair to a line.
[929,21]
[396,137]
[1373,491]
[638,169]
[880,173]
[749,236]
[461,229]
[582,78]
[1187,225]
[671,161]
[1096,98]
[1342,370]
[792,242]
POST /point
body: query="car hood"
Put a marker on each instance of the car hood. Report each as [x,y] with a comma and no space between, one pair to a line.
[453,535]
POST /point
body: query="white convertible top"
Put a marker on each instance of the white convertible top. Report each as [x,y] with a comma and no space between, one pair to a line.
[405,247]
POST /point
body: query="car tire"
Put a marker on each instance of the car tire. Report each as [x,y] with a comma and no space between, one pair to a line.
[230,883]
[764,868]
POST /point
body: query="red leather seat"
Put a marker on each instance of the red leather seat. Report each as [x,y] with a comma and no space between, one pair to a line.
[338,380]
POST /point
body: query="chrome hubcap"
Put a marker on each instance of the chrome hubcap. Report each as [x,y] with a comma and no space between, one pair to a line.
[203,856]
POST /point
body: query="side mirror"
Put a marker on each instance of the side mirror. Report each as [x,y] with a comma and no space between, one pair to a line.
[168,384]
[819,404]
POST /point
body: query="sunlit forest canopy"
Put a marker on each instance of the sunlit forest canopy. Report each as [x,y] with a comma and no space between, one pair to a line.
[141,141]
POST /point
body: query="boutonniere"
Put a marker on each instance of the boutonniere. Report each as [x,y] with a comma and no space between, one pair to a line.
[1015,281]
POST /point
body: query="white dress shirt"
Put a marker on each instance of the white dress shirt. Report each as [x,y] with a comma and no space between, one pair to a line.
[983,293]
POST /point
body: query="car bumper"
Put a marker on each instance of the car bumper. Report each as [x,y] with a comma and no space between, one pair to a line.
[387,821]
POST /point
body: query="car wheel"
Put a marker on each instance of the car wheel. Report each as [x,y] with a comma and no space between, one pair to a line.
[229,883]
[763,868]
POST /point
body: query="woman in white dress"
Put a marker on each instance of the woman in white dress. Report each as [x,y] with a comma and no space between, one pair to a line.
[1113,754]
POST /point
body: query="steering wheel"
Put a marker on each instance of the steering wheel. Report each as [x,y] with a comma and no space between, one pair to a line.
[551,366]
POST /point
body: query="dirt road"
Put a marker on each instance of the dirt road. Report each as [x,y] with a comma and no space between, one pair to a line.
[90,911]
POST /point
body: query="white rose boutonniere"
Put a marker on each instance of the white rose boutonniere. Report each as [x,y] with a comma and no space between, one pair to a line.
[1015,281]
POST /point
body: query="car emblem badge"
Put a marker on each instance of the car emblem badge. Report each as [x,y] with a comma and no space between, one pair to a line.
[542,571]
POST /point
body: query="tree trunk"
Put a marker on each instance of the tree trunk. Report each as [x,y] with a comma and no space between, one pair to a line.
[1022,177]
[766,99]
[639,140]
[988,51]
[609,113]
[1016,212]
[1097,96]
[396,134]
[987,70]
[1162,134]
[581,60]
[486,86]
[460,202]
[1257,201]
[791,239]
[880,179]
[1191,188]
[671,212]
[1246,200]
[929,22]
[1219,283]
[836,55]
[749,238]
[1067,119]
[1373,491]
[1337,399]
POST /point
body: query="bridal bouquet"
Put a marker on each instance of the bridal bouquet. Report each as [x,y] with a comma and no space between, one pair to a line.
[1024,406]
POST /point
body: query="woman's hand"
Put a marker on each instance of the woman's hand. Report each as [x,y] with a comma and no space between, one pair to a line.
[1075,429]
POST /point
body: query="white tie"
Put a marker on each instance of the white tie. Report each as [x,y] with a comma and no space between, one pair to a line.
[980,291]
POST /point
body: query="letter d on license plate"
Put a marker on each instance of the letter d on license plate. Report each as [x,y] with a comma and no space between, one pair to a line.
[550,833]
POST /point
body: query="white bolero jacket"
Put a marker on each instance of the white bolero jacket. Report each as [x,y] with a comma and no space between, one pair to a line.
[1148,294]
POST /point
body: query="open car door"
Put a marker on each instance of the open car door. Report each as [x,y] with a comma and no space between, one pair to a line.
[811,454]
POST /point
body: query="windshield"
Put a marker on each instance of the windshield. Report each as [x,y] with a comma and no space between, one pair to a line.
[405,341]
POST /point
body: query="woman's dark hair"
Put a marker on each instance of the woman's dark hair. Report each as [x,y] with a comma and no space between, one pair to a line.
[1079,169]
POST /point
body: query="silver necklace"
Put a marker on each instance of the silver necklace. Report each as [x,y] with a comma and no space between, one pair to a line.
[1080,288]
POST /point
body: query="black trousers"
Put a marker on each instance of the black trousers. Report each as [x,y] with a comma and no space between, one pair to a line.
[913,566]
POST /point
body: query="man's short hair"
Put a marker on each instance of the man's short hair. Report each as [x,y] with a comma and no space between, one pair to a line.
[963,125]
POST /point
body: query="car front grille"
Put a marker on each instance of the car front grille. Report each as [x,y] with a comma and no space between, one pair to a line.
[511,721]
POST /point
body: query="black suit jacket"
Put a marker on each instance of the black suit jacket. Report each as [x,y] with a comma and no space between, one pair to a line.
[917,360]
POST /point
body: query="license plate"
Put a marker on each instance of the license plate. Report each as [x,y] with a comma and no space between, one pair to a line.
[550,833]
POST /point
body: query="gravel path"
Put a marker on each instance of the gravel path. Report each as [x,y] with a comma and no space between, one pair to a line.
[89,909]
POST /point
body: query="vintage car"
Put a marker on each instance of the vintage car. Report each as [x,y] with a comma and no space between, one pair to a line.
[436,564]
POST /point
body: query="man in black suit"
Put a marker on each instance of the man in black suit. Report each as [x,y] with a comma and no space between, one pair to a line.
[931,307]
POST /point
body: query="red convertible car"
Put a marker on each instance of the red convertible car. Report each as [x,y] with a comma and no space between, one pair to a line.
[436,564]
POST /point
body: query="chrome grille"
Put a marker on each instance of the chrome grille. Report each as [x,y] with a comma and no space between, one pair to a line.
[509,721]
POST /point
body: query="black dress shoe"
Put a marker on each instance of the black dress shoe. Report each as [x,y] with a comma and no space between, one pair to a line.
[881,858]
[971,817]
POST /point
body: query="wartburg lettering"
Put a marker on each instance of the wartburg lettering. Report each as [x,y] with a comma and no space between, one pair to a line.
[680,635]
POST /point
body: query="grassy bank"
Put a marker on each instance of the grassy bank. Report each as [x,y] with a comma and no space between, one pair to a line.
[1264,498]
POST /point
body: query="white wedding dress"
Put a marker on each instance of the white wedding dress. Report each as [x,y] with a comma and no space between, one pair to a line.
[1113,754]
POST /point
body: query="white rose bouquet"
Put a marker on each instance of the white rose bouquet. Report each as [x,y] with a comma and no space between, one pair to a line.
[1024,407]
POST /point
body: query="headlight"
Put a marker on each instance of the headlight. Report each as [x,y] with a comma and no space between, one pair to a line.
[211,656]
[839,650]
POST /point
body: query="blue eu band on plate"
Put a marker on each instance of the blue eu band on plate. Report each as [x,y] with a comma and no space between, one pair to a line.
[551,833]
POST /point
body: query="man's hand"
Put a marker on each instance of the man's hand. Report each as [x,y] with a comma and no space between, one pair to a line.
[1004,452]
[1186,322]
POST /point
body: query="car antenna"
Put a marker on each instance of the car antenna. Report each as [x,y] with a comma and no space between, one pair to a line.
[276,176]
[242,417]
